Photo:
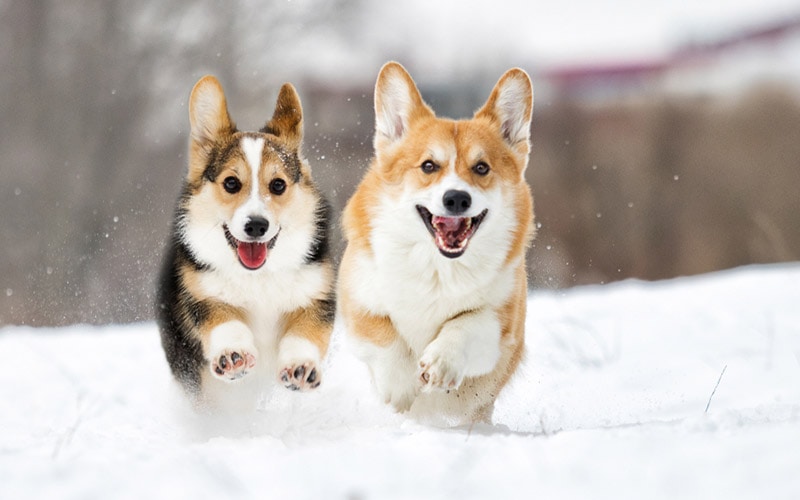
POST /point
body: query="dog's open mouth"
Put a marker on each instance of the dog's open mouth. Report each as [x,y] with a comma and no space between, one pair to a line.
[252,254]
[451,234]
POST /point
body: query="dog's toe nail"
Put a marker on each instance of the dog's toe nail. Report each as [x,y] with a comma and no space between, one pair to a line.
[236,359]
[299,372]
[223,362]
[312,376]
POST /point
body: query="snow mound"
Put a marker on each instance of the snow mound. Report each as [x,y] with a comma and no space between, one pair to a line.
[610,401]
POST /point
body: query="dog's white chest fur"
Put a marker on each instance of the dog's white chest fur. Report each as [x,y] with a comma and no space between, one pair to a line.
[264,295]
[407,279]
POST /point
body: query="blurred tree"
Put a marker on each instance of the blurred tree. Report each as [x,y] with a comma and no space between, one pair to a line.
[93,131]
[94,126]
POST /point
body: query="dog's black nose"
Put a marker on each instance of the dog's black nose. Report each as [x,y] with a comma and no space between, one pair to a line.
[256,227]
[457,202]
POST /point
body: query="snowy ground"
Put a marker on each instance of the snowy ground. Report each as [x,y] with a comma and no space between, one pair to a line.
[610,403]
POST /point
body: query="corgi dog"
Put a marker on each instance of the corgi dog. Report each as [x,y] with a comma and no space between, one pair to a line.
[432,284]
[246,291]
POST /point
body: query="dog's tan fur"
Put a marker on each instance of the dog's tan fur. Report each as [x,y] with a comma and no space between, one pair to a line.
[220,319]
[407,135]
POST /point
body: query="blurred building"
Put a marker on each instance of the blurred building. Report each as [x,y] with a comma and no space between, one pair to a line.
[717,64]
[652,168]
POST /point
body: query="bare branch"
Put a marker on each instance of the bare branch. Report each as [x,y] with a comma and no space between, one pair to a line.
[715,388]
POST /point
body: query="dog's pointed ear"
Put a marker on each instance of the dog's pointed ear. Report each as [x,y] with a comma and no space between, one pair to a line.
[397,103]
[510,106]
[208,115]
[287,120]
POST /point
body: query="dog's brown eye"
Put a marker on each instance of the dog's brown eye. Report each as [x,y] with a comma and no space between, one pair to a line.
[481,168]
[232,184]
[429,167]
[277,186]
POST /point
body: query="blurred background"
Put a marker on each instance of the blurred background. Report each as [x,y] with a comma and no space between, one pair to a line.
[666,136]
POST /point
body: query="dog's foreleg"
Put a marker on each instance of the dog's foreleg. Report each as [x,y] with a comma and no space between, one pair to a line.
[302,347]
[388,356]
[468,345]
[227,341]
[392,369]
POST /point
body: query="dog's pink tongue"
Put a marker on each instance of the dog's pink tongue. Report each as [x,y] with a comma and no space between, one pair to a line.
[252,255]
[446,224]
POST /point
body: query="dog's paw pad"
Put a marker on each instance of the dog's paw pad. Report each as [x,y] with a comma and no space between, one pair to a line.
[439,375]
[301,376]
[232,365]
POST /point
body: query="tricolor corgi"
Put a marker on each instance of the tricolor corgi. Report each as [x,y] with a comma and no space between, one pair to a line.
[246,292]
[432,284]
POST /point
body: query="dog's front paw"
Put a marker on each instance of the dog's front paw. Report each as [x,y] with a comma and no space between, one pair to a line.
[439,371]
[300,376]
[232,364]
[230,351]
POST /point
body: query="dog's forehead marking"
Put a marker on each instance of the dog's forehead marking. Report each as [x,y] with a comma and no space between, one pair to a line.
[287,160]
[443,153]
[474,153]
[253,148]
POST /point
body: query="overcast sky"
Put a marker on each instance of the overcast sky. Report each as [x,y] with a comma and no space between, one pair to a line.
[568,32]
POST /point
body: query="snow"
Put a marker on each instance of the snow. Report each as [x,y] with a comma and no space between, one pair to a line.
[609,403]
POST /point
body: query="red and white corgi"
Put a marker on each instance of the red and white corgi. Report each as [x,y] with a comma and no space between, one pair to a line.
[246,292]
[432,285]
